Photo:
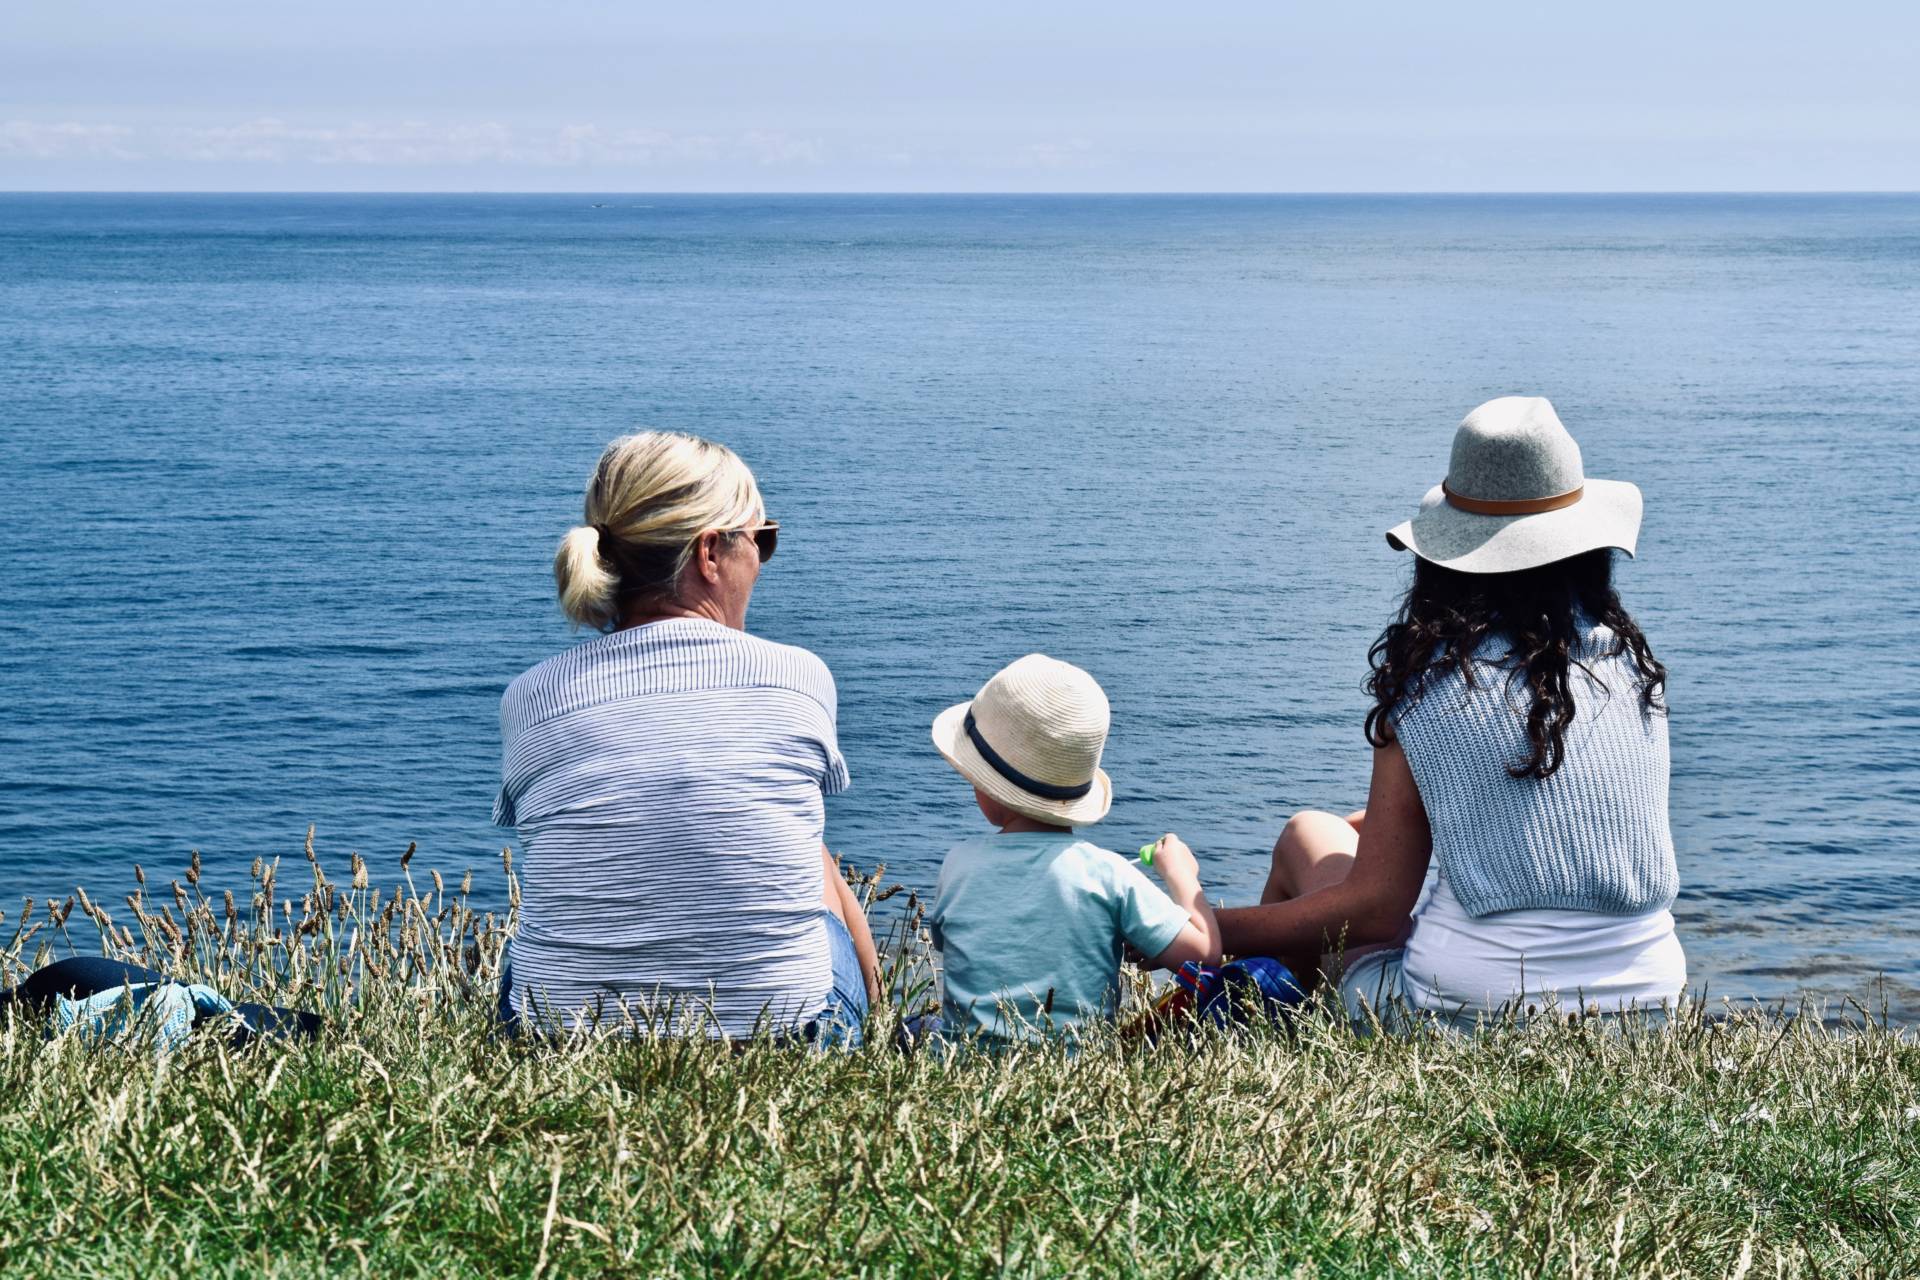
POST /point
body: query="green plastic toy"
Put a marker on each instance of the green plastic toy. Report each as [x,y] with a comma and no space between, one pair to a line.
[1146,853]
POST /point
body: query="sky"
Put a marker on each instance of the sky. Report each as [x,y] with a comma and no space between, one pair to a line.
[579,95]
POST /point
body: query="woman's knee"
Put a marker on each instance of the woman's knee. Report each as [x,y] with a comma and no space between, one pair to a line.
[1314,850]
[1314,833]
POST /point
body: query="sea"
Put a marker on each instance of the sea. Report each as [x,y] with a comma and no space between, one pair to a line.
[281,477]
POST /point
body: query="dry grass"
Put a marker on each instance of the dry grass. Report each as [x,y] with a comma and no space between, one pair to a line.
[411,1139]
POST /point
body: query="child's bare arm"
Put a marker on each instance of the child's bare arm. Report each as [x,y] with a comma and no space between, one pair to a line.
[1180,871]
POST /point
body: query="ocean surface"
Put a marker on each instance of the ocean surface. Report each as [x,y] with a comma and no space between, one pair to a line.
[280,478]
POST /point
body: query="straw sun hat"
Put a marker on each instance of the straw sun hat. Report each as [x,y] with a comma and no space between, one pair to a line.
[1516,496]
[1031,739]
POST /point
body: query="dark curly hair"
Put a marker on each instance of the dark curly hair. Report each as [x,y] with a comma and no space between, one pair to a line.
[1447,614]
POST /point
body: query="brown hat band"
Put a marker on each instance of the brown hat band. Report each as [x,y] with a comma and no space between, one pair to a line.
[1520,507]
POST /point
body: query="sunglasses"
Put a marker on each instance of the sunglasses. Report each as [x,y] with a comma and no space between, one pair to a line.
[766,537]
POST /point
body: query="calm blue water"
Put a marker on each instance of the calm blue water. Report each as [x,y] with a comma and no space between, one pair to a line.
[281,477]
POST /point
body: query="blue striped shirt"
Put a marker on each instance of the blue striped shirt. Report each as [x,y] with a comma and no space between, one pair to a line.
[668,784]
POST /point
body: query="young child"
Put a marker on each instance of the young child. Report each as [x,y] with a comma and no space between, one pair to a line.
[1030,922]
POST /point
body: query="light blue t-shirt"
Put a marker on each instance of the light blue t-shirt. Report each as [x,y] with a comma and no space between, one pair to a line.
[1032,921]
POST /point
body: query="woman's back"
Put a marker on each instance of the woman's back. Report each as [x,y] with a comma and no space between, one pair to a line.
[667,781]
[1545,885]
[1592,835]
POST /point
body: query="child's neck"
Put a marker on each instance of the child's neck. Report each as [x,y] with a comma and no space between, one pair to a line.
[1020,822]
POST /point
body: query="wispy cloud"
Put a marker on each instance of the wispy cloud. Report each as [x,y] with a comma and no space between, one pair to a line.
[58,141]
[404,144]
[1070,153]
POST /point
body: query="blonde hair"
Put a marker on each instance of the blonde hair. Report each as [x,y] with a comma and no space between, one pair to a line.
[651,497]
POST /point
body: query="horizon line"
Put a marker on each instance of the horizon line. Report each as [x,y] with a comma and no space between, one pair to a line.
[482,191]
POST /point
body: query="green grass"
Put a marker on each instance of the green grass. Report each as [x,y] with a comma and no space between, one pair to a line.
[413,1140]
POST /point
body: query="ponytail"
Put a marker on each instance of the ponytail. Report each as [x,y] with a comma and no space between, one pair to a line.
[587,584]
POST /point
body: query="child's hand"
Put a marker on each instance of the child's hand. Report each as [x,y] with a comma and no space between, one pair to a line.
[1180,870]
[1174,861]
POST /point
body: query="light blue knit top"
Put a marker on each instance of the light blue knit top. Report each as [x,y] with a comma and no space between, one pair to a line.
[1592,837]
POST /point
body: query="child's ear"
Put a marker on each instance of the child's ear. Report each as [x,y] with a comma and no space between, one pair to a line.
[990,809]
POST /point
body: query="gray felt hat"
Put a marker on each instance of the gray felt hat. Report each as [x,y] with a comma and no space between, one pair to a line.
[1516,496]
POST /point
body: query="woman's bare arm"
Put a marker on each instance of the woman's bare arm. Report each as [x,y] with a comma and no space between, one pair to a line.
[1374,901]
[840,900]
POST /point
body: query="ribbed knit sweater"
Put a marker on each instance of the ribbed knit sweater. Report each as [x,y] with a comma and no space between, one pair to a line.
[1591,837]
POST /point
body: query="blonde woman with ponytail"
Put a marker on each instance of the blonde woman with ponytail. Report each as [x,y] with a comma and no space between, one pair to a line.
[668,777]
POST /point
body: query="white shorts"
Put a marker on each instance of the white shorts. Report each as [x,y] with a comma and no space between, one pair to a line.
[1374,993]
[1373,989]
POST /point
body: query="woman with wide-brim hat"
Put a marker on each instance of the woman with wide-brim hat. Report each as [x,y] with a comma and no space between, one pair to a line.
[1520,743]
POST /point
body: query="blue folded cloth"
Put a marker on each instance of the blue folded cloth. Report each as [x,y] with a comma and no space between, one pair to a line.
[166,1010]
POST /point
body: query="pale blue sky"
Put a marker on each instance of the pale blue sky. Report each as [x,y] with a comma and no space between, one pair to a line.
[578,95]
